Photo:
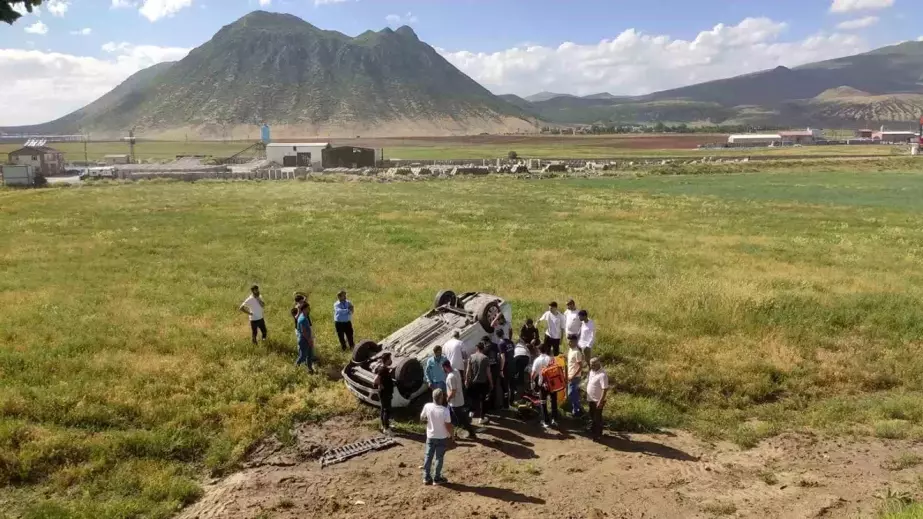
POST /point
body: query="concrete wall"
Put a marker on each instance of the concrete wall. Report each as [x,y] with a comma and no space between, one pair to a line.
[277,154]
[17,175]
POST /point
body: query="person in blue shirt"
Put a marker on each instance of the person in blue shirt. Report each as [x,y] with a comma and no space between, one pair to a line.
[433,373]
[343,320]
[305,337]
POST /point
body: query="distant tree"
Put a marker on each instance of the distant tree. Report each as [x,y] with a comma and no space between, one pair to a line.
[659,127]
[8,15]
[512,155]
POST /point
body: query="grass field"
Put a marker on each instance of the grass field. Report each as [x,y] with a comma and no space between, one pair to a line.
[490,147]
[736,306]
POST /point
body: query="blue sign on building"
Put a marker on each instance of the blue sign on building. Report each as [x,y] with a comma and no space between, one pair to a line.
[264,133]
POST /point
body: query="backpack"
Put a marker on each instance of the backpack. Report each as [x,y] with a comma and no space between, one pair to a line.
[553,378]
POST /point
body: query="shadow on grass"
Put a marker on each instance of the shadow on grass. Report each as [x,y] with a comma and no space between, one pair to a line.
[500,494]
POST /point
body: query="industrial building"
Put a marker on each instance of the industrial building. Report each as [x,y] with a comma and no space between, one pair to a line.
[755,139]
[319,155]
[45,160]
[808,136]
[894,136]
[112,160]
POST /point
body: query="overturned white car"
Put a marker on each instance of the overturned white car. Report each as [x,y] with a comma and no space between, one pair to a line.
[470,313]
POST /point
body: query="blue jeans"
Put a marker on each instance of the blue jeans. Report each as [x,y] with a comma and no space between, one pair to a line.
[305,355]
[435,448]
[573,395]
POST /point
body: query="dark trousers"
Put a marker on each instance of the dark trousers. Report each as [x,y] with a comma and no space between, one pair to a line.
[461,419]
[385,403]
[596,419]
[305,355]
[520,379]
[345,334]
[259,324]
[508,385]
[493,397]
[554,406]
[478,391]
[554,346]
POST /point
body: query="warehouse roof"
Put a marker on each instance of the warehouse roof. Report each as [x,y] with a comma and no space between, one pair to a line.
[32,150]
[756,136]
[298,144]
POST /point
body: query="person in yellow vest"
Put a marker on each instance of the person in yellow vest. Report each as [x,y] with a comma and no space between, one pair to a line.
[575,364]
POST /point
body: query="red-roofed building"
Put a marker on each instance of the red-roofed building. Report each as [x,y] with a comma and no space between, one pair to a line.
[808,136]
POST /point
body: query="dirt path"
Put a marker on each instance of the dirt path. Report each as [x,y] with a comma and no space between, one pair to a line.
[517,471]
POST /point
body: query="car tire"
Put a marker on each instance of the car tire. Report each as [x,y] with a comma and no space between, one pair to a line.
[408,373]
[444,297]
[485,314]
[365,350]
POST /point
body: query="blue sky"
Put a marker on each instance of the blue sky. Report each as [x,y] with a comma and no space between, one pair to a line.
[508,45]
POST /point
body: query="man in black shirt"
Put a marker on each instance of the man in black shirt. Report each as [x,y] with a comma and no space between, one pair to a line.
[384,382]
[528,332]
[508,389]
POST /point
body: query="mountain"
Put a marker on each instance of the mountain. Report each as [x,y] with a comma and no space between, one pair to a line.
[884,85]
[303,80]
[545,96]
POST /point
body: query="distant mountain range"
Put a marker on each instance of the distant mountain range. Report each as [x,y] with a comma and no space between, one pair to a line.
[303,80]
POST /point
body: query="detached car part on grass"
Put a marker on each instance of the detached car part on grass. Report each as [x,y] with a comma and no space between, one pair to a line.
[470,313]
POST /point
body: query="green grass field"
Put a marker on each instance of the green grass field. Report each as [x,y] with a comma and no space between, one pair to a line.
[735,306]
[451,148]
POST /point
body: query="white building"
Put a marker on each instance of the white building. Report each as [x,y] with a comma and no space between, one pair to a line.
[116,159]
[755,139]
[296,154]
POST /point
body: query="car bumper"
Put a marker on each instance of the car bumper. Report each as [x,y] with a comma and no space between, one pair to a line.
[361,383]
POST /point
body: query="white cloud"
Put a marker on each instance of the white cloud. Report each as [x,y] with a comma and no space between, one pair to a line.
[37,28]
[325,2]
[21,9]
[154,10]
[119,4]
[396,19]
[847,6]
[639,63]
[264,3]
[858,23]
[86,31]
[41,86]
[58,7]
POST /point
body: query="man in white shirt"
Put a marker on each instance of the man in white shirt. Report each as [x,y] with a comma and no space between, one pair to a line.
[454,350]
[587,334]
[253,306]
[597,388]
[571,321]
[456,398]
[541,362]
[575,365]
[554,328]
[438,432]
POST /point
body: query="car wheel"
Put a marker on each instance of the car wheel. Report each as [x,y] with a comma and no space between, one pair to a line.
[444,297]
[486,313]
[408,373]
[365,350]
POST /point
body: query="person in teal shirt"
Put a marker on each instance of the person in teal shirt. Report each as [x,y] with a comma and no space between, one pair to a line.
[433,373]
[305,337]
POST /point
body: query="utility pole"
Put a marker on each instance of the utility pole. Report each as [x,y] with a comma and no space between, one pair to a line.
[131,144]
[86,159]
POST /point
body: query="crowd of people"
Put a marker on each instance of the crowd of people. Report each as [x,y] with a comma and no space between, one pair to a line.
[500,374]
[468,386]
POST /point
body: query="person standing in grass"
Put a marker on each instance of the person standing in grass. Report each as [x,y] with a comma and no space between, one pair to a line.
[571,321]
[479,381]
[384,383]
[305,338]
[432,372]
[554,328]
[528,333]
[454,351]
[587,334]
[507,370]
[597,388]
[456,399]
[253,306]
[438,433]
[575,363]
[541,362]
[343,320]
